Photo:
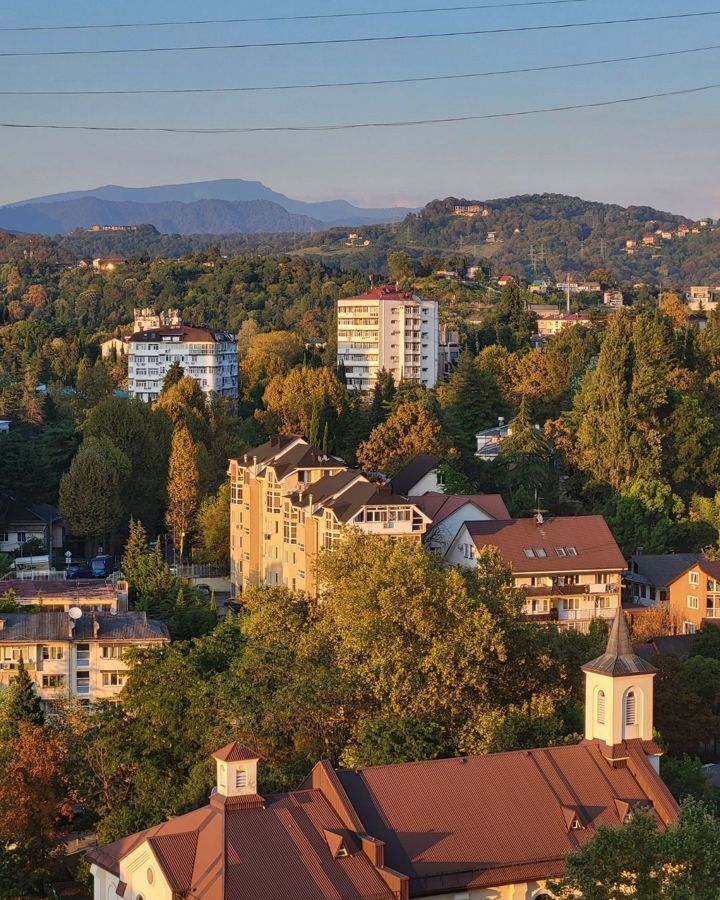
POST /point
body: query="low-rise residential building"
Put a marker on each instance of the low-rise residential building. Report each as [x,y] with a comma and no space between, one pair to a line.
[694,596]
[422,475]
[37,521]
[208,356]
[108,263]
[544,310]
[550,325]
[613,298]
[59,595]
[289,501]
[648,240]
[469,210]
[569,567]
[448,352]
[78,657]
[493,827]
[649,575]
[489,440]
[703,297]
[391,330]
[539,286]
[448,512]
[579,287]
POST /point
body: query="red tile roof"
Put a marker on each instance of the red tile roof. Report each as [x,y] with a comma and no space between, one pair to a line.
[595,547]
[439,506]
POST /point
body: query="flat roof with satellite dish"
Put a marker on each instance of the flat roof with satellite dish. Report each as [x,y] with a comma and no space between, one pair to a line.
[75,613]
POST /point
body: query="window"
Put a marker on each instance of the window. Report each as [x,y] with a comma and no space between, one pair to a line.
[540,552]
[571,551]
[529,552]
[4,537]
[22,537]
[113,679]
[601,708]
[540,605]
[693,578]
[52,652]
[692,602]
[241,778]
[689,628]
[82,682]
[53,681]
[630,708]
[570,603]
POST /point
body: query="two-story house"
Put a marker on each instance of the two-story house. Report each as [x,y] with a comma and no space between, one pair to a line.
[694,596]
[70,655]
[289,501]
[494,827]
[569,567]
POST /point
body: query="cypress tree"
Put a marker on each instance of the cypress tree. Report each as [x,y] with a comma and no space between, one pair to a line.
[22,705]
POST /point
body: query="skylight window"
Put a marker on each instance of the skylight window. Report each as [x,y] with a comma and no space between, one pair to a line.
[540,552]
[571,551]
[529,552]
[560,551]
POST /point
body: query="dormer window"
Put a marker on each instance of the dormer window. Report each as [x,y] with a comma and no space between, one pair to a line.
[540,552]
[529,552]
[560,551]
[571,551]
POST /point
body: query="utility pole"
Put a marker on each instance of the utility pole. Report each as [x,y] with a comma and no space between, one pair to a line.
[567,294]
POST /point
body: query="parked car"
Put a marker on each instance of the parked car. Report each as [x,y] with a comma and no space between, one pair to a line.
[78,570]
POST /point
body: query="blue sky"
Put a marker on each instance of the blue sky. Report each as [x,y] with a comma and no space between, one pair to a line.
[662,152]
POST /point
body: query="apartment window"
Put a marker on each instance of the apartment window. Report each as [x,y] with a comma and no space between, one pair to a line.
[692,602]
[540,605]
[113,679]
[52,652]
[83,656]
[689,628]
[630,708]
[82,682]
[241,778]
[693,578]
[289,525]
[272,501]
[601,707]
[570,603]
[236,493]
[22,537]
[4,537]
[53,681]
[12,653]
[112,651]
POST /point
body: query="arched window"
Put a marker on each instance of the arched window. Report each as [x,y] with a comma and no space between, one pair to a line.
[601,707]
[630,708]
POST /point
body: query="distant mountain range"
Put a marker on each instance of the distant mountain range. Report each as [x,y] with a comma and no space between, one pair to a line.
[206,207]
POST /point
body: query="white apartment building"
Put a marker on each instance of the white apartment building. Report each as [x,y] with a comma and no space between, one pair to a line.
[210,357]
[83,658]
[388,329]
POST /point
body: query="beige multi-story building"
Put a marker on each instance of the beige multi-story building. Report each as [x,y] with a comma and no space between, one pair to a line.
[391,330]
[290,501]
[569,567]
[82,657]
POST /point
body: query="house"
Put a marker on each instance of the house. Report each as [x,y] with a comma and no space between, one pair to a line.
[569,567]
[494,827]
[539,286]
[36,521]
[578,287]
[74,656]
[650,573]
[505,279]
[694,596]
[489,440]
[448,512]
[491,237]
[469,210]
[550,325]
[703,297]
[648,240]
[206,355]
[543,310]
[613,298]
[420,476]
[391,330]
[289,501]
[630,246]
[108,263]
[58,595]
[117,346]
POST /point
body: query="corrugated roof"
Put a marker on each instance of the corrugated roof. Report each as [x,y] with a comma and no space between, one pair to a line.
[589,536]
[63,590]
[235,752]
[439,506]
[186,333]
[659,569]
[54,626]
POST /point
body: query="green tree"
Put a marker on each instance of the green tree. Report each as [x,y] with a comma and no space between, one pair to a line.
[92,491]
[183,480]
[400,268]
[21,704]
[174,374]
[469,402]
[213,529]
[409,430]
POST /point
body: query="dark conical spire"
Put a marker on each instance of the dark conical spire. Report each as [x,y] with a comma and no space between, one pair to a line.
[619,657]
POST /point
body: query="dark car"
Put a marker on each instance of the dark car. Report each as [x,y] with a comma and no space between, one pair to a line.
[102,566]
[78,570]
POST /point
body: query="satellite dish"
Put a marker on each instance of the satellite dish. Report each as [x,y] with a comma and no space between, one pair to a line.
[75,613]
[113,612]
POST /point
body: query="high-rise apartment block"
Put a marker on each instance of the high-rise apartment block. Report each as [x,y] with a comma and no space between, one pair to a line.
[290,501]
[391,330]
[208,356]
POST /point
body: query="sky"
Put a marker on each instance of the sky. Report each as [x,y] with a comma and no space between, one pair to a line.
[662,152]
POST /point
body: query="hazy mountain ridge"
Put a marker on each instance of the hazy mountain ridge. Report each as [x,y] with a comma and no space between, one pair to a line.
[233,191]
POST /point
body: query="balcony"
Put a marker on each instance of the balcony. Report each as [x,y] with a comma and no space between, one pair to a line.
[586,614]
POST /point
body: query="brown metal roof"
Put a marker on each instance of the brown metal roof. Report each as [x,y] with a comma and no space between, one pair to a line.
[60,589]
[417,468]
[186,333]
[439,506]
[54,626]
[589,536]
[235,752]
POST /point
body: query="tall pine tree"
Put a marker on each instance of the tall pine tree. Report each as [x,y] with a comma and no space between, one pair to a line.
[22,705]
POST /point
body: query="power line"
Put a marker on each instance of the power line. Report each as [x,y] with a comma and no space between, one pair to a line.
[360,40]
[304,17]
[379,81]
[358,125]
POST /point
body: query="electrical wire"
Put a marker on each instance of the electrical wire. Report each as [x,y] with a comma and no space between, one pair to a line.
[344,84]
[359,125]
[305,17]
[359,40]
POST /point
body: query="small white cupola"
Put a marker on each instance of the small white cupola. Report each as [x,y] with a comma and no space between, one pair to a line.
[619,691]
[237,770]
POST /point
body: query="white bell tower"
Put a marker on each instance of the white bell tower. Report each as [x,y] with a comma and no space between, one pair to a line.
[619,691]
[237,768]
